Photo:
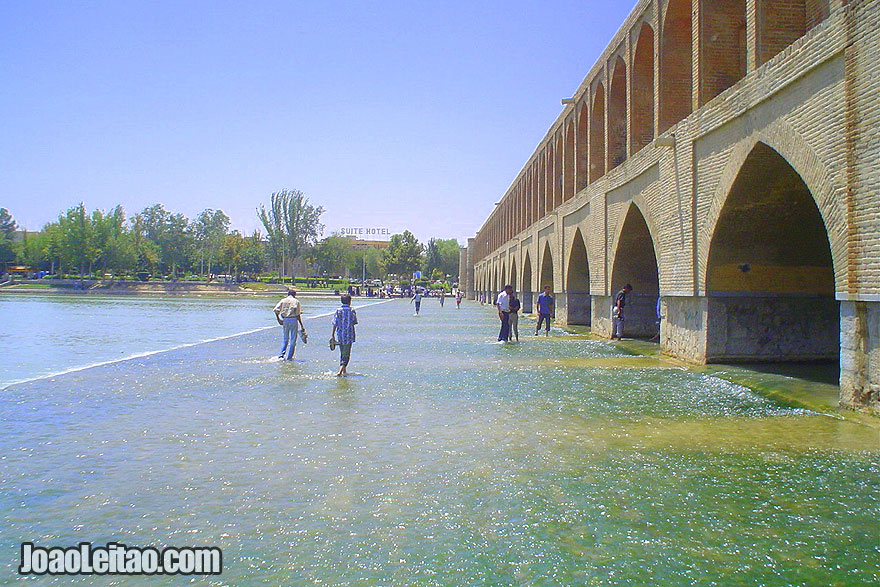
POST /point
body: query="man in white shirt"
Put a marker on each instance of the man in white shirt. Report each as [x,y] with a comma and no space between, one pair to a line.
[503,305]
[288,312]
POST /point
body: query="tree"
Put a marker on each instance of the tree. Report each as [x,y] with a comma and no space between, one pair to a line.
[332,254]
[77,248]
[208,230]
[8,226]
[7,230]
[291,223]
[253,255]
[449,254]
[403,255]
[231,252]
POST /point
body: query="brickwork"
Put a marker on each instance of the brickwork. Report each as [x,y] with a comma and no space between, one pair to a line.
[786,118]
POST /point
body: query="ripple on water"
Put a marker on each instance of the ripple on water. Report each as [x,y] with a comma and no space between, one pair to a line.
[449,462]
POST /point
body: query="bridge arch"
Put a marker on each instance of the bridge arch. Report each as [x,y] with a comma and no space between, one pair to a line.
[722,46]
[577,282]
[617,115]
[597,134]
[819,179]
[546,272]
[569,167]
[676,70]
[528,286]
[514,278]
[582,164]
[782,23]
[770,279]
[642,117]
[635,263]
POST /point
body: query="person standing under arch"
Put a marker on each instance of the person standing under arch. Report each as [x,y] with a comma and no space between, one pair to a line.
[545,305]
[617,312]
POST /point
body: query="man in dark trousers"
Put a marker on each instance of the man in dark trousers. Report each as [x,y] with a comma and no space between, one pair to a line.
[617,312]
[503,305]
[545,305]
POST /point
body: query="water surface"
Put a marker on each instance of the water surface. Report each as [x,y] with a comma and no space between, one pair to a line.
[444,460]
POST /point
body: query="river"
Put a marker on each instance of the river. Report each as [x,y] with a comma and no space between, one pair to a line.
[444,459]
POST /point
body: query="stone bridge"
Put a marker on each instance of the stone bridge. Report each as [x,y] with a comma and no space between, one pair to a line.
[722,156]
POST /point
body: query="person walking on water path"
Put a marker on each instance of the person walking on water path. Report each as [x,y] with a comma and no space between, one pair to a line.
[417,300]
[546,307]
[343,333]
[288,312]
[514,316]
[458,298]
[503,305]
[617,312]
[442,297]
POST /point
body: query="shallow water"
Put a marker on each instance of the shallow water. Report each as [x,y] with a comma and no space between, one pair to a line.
[44,334]
[444,460]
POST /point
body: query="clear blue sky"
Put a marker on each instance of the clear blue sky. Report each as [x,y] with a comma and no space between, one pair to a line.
[406,115]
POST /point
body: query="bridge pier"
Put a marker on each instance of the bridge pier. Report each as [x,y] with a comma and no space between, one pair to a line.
[527,301]
[573,308]
[860,355]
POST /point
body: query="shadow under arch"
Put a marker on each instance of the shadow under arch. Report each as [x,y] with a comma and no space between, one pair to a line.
[577,283]
[546,275]
[635,263]
[527,284]
[770,270]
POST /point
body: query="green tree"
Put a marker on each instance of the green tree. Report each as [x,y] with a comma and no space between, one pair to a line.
[449,254]
[208,230]
[8,227]
[332,254]
[253,255]
[231,252]
[76,231]
[403,255]
[292,224]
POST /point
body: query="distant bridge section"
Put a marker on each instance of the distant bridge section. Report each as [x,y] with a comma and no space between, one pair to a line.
[722,157]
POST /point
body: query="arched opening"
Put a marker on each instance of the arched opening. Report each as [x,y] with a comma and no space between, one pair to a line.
[577,283]
[546,269]
[513,276]
[582,156]
[635,263]
[527,284]
[542,188]
[502,279]
[617,115]
[722,46]
[568,171]
[550,179]
[597,135]
[676,54]
[782,23]
[642,127]
[770,276]
[558,169]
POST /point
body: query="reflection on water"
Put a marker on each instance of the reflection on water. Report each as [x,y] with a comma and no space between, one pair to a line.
[448,461]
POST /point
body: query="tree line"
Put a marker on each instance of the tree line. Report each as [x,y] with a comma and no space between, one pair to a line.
[157,242]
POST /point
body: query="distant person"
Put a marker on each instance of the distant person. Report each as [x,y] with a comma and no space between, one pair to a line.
[503,305]
[515,306]
[417,300]
[288,312]
[546,307]
[442,297]
[458,298]
[343,333]
[617,312]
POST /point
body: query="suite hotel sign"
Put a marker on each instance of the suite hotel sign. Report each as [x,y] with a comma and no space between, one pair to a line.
[362,232]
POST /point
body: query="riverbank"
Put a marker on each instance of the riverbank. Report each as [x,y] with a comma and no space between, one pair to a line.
[138,288]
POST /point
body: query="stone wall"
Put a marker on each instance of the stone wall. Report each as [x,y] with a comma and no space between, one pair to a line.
[860,355]
[757,328]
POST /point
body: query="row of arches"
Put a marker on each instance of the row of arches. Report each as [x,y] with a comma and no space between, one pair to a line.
[769,271]
[624,109]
